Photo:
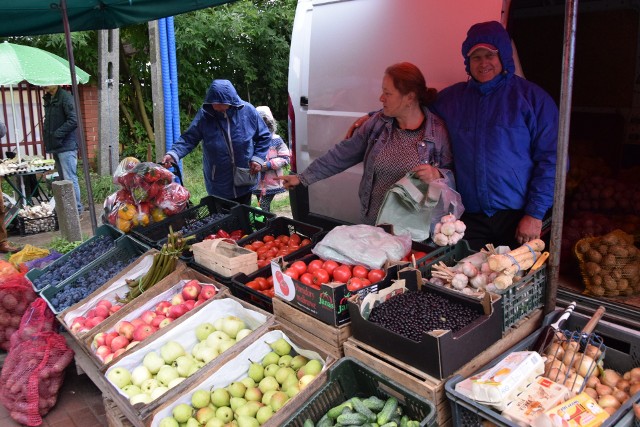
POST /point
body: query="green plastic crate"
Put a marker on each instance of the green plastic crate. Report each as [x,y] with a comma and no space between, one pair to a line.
[349,377]
[518,300]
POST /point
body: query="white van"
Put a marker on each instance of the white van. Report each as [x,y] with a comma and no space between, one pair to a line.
[339,51]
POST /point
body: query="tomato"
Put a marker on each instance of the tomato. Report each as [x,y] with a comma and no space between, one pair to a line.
[314,265]
[320,276]
[375,275]
[270,281]
[261,250]
[307,279]
[283,239]
[263,263]
[253,285]
[419,254]
[293,273]
[268,238]
[305,242]
[342,274]
[365,282]
[355,283]
[360,271]
[329,265]
[255,245]
[262,282]
[295,239]
[300,267]
[245,246]
[293,246]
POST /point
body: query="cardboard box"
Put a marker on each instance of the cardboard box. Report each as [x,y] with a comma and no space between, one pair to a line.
[437,354]
[329,303]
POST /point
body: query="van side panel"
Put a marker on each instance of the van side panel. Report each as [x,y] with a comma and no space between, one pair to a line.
[350,44]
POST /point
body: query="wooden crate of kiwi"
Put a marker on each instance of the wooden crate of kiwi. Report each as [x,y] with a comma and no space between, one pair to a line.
[609,264]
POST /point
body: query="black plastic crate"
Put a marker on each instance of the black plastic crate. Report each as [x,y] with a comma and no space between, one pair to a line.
[28,226]
[518,300]
[103,230]
[126,251]
[349,378]
[287,226]
[622,353]
[238,287]
[155,234]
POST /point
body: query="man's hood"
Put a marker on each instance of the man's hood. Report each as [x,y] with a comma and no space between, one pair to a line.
[492,33]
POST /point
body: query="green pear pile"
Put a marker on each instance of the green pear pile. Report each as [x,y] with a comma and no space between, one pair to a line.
[163,370]
[253,400]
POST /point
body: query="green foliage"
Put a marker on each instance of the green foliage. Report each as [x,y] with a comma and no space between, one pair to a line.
[101,186]
[193,175]
[63,246]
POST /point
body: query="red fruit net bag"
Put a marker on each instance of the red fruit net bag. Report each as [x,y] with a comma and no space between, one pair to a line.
[32,375]
[16,294]
[36,319]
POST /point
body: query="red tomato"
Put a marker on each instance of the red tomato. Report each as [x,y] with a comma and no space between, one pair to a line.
[360,271]
[375,275]
[295,239]
[307,279]
[320,276]
[263,263]
[270,281]
[253,285]
[268,238]
[342,274]
[300,267]
[293,273]
[355,283]
[270,292]
[283,239]
[305,242]
[293,246]
[262,282]
[365,282]
[329,265]
[314,265]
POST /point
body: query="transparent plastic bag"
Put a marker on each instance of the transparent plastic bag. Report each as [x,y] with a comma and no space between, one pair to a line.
[450,201]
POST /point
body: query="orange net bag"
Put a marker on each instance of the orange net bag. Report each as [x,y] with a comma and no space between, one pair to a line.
[609,264]
[16,294]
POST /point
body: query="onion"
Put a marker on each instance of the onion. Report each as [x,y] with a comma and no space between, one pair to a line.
[608,401]
[555,350]
[592,351]
[610,377]
[634,389]
[592,382]
[603,390]
[623,385]
[552,362]
[610,410]
[635,374]
[591,392]
[584,365]
[575,382]
[620,395]
[556,375]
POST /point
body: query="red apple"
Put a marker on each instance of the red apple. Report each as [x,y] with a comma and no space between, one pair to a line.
[99,339]
[191,290]
[132,344]
[91,313]
[103,351]
[190,303]
[114,308]
[147,316]
[93,322]
[199,302]
[119,352]
[105,302]
[177,299]
[207,291]
[177,311]
[108,358]
[137,322]
[143,331]
[163,307]
[126,329]
[119,342]
[78,324]
[156,320]
[165,322]
[110,336]
[102,311]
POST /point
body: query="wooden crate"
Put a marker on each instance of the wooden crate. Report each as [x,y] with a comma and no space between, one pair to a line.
[432,389]
[224,258]
[114,416]
[304,324]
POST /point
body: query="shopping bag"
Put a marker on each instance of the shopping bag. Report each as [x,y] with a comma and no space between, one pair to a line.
[408,206]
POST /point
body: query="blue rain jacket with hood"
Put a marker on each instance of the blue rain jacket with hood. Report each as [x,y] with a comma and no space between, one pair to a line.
[249,135]
[503,132]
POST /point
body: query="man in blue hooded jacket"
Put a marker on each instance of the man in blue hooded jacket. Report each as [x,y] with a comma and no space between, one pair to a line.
[226,121]
[504,132]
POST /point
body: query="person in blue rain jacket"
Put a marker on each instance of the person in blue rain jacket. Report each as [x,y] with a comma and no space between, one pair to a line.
[224,117]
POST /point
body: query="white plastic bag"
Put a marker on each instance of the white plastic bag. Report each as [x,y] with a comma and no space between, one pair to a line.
[362,244]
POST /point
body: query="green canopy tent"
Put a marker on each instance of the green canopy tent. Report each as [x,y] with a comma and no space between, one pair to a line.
[34,17]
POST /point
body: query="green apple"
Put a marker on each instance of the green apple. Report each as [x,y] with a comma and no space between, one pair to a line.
[243,333]
[153,362]
[256,371]
[226,345]
[270,358]
[278,400]
[184,365]
[264,413]
[166,374]
[207,354]
[215,338]
[149,385]
[220,397]
[204,330]
[247,421]
[280,346]
[131,390]
[174,382]
[236,389]
[268,383]
[143,398]
[225,414]
[182,412]
[200,398]
[231,325]
[119,376]
[140,374]
[171,351]
[158,391]
[168,422]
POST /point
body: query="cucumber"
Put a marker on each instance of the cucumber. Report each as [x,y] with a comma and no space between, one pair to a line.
[388,410]
[374,403]
[413,423]
[390,424]
[354,419]
[325,421]
[362,409]
[404,421]
[337,410]
[308,423]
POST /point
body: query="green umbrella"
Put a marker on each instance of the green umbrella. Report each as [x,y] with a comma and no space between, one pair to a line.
[36,66]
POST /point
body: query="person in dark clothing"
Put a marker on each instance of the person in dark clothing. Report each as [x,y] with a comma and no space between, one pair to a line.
[59,135]
[5,245]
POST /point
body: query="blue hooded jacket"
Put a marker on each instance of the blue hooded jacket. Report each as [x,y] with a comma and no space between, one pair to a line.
[249,135]
[503,133]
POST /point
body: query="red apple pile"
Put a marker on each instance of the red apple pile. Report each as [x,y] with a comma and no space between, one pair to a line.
[103,309]
[127,333]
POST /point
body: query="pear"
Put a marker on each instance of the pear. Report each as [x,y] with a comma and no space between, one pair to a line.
[248,382]
[220,397]
[270,370]
[270,358]
[285,360]
[236,402]
[278,400]
[283,373]
[237,389]
[268,383]
[266,397]
[313,367]
[298,361]
[256,371]
[280,347]
[247,421]
[249,409]
[293,390]
[264,413]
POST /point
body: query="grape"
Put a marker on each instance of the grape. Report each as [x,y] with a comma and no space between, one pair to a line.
[77,259]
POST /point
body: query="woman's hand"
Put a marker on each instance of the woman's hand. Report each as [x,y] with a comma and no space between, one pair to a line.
[167,160]
[356,125]
[427,173]
[289,181]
